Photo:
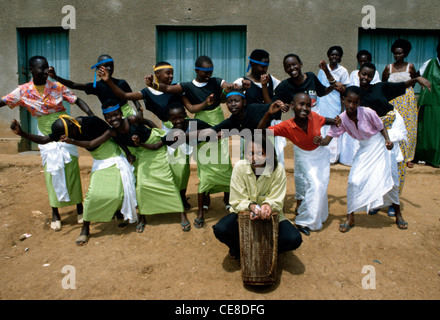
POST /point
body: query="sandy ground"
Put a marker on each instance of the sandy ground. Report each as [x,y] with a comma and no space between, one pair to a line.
[164,263]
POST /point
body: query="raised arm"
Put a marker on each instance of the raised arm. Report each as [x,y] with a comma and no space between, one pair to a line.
[87,144]
[424,83]
[67,83]
[16,128]
[194,108]
[150,146]
[172,88]
[331,80]
[83,106]
[274,108]
[264,79]
[142,121]
[121,94]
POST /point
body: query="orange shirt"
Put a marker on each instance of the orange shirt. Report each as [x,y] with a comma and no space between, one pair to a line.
[290,130]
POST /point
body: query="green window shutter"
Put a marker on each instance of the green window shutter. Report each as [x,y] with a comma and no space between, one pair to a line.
[180,46]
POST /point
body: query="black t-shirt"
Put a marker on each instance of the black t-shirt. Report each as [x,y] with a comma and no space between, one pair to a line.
[252,117]
[255,94]
[287,89]
[134,129]
[104,93]
[198,95]
[91,128]
[157,104]
[377,96]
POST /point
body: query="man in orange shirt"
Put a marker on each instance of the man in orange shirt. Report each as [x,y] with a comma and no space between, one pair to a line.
[312,163]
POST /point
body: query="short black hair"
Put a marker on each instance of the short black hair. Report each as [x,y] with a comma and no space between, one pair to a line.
[33,59]
[162,63]
[364,53]
[337,48]
[352,89]
[259,54]
[200,60]
[260,137]
[109,103]
[368,65]
[402,43]
[175,105]
[104,57]
[292,55]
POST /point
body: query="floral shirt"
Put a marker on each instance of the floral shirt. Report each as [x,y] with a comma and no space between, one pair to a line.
[28,97]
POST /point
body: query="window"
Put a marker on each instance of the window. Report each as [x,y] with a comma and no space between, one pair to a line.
[379,41]
[180,46]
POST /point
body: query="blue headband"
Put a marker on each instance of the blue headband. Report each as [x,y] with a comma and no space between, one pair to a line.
[95,66]
[257,62]
[235,93]
[205,69]
[111,109]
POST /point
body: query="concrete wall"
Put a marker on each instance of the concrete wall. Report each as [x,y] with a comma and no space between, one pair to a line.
[126,30]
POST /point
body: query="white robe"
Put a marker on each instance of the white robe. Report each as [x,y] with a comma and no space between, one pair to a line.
[312,174]
[373,181]
[329,106]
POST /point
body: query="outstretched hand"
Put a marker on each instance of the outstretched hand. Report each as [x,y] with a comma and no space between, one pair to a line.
[136,140]
[66,139]
[338,121]
[149,80]
[16,128]
[52,73]
[210,100]
[246,84]
[389,144]
[323,65]
[276,106]
[424,83]
[264,79]
[317,140]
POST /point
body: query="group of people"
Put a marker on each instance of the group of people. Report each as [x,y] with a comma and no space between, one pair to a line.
[140,169]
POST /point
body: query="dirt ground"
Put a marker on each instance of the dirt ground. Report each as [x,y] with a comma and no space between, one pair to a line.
[164,263]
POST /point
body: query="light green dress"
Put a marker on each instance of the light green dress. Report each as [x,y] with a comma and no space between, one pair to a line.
[71,169]
[156,189]
[214,167]
[105,193]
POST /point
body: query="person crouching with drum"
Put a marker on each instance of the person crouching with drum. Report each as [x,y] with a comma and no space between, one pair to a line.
[258,185]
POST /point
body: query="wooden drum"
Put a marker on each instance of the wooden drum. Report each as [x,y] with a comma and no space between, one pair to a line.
[258,249]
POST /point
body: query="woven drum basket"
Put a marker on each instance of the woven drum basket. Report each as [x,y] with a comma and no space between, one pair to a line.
[258,249]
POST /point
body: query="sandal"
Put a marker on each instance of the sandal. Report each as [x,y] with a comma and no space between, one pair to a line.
[410,164]
[391,212]
[402,225]
[56,225]
[186,226]
[80,218]
[198,223]
[140,227]
[346,226]
[82,240]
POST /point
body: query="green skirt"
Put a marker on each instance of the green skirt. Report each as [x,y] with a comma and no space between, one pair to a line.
[127,111]
[156,190]
[214,167]
[71,169]
[179,163]
[105,193]
[428,135]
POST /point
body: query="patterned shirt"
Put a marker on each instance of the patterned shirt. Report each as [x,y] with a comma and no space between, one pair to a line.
[28,97]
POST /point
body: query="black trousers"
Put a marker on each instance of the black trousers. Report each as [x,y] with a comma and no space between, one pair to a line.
[226,231]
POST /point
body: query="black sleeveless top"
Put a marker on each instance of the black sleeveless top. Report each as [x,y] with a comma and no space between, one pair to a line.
[135,129]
